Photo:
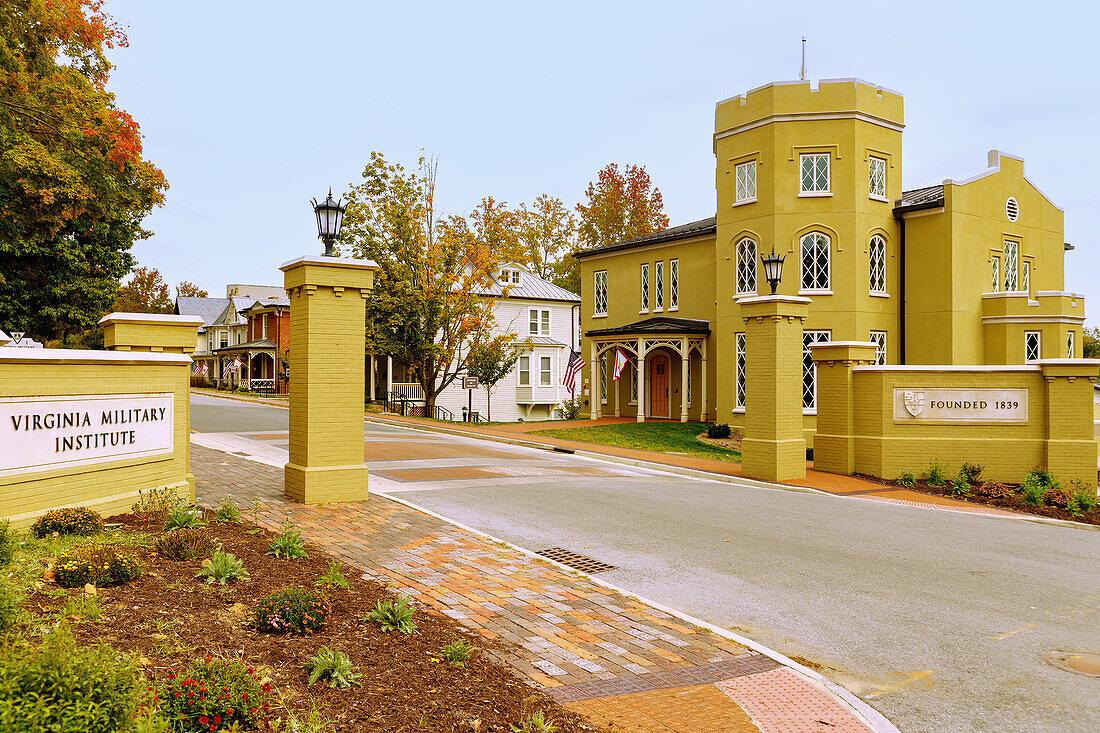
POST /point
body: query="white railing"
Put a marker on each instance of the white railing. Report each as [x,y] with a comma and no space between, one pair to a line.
[411,391]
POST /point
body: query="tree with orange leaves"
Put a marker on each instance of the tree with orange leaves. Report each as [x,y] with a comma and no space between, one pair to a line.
[430,300]
[74,187]
[144,292]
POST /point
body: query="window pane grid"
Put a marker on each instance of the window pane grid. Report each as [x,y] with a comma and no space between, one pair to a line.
[645,287]
[633,382]
[674,284]
[996,274]
[815,262]
[1025,277]
[878,265]
[815,173]
[600,297]
[739,376]
[546,323]
[544,372]
[879,339]
[1069,345]
[659,286]
[1031,345]
[525,371]
[809,370]
[746,181]
[746,266]
[877,177]
[1011,250]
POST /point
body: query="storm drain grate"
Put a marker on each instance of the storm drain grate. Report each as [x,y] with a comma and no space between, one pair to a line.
[575,561]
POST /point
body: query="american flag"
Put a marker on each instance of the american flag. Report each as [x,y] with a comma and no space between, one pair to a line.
[228,369]
[195,369]
[572,369]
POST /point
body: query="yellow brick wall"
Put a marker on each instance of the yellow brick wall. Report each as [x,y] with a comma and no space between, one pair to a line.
[109,488]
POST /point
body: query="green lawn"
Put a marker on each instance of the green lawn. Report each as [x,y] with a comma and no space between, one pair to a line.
[661,437]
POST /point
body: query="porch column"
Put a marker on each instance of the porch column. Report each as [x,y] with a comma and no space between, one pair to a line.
[703,411]
[373,394]
[683,379]
[594,370]
[389,375]
[641,379]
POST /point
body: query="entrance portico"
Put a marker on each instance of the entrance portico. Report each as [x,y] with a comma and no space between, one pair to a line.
[665,375]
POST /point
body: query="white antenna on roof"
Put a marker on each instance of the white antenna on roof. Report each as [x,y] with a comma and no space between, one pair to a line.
[802,77]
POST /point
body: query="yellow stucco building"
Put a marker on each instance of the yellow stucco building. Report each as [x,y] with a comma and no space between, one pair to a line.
[968,272]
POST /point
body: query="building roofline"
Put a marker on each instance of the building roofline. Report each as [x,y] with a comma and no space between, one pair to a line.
[691,230]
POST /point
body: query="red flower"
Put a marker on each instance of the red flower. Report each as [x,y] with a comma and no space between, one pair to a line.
[252,711]
[217,719]
[204,720]
[190,694]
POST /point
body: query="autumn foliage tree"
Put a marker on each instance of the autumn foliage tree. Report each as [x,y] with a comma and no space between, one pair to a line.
[74,187]
[427,307]
[144,292]
[187,289]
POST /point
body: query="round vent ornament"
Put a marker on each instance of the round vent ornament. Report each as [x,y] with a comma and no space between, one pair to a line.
[1012,209]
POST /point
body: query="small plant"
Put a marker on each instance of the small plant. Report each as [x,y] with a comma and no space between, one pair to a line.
[534,723]
[995,490]
[221,568]
[12,615]
[79,521]
[7,542]
[907,479]
[1057,497]
[333,577]
[154,503]
[935,475]
[457,651]
[96,564]
[1035,485]
[718,432]
[215,695]
[291,611]
[185,543]
[288,543]
[393,615]
[1085,499]
[227,512]
[571,408]
[182,515]
[972,472]
[82,607]
[334,665]
[959,486]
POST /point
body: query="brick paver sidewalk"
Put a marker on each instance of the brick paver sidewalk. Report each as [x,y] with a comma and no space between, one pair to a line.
[599,652]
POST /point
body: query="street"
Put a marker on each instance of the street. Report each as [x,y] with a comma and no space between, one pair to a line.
[939,620]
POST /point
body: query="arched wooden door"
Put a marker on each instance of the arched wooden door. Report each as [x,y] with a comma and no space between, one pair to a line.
[658,385]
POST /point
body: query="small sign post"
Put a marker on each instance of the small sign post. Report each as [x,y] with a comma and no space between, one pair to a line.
[470,384]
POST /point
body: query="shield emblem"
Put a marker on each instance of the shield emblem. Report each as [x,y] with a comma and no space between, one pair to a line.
[914,403]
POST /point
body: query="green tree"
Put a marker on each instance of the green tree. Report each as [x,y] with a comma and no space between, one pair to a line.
[430,297]
[1090,349]
[620,205]
[491,359]
[144,292]
[74,187]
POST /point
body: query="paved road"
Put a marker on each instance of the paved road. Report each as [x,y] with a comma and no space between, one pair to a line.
[939,620]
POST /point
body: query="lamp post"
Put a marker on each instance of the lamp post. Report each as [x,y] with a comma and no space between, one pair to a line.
[330,217]
[773,269]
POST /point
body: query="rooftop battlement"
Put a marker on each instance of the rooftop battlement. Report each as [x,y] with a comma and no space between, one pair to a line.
[785,100]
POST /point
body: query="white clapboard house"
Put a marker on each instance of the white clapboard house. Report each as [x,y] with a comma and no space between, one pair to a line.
[545,321]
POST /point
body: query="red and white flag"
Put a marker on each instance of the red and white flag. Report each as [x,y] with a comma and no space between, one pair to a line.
[620,363]
[205,368]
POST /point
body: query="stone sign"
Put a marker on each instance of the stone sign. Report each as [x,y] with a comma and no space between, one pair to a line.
[960,405]
[44,433]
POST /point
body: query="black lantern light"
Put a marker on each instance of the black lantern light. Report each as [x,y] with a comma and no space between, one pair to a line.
[330,216]
[773,269]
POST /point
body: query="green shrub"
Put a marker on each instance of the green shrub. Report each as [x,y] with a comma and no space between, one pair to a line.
[1086,500]
[571,409]
[718,432]
[182,515]
[1056,497]
[959,486]
[155,503]
[12,615]
[972,472]
[60,686]
[907,479]
[333,577]
[96,564]
[79,521]
[215,695]
[334,665]
[227,512]
[535,723]
[7,542]
[291,611]
[221,568]
[185,543]
[994,490]
[1032,490]
[288,543]
[81,607]
[935,475]
[393,615]
[457,651]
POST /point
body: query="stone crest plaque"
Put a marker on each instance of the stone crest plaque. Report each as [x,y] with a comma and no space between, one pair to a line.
[960,405]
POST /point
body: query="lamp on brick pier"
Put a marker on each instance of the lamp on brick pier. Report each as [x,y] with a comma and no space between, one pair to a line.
[773,269]
[330,217]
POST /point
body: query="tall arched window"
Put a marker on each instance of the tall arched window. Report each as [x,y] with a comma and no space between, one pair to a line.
[746,266]
[878,264]
[815,261]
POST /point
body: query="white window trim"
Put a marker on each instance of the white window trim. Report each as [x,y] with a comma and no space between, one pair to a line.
[870,262]
[520,371]
[829,265]
[1070,345]
[658,286]
[1038,345]
[548,372]
[739,339]
[828,190]
[737,266]
[885,187]
[596,313]
[674,286]
[748,199]
[632,396]
[644,275]
[871,338]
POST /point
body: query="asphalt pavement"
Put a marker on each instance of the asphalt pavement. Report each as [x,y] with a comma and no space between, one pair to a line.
[939,620]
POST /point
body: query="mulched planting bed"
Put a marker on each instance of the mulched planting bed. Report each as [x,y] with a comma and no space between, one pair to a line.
[170,617]
[1014,503]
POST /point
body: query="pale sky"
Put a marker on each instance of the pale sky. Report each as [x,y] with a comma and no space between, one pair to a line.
[252,108]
